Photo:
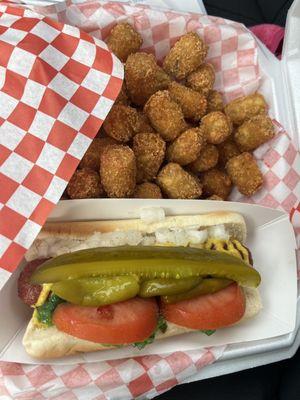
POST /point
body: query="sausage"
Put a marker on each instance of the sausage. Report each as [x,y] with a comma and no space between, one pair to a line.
[28,292]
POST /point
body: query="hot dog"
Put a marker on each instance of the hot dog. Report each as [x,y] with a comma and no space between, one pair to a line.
[114,283]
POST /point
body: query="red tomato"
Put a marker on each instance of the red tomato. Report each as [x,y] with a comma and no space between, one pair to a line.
[210,311]
[129,321]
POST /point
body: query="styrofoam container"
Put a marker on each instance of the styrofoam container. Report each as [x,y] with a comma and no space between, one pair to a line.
[270,238]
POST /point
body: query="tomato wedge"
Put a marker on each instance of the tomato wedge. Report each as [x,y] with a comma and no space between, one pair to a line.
[125,322]
[211,311]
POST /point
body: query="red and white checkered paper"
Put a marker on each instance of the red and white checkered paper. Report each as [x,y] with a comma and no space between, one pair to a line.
[140,377]
[57,85]
[233,53]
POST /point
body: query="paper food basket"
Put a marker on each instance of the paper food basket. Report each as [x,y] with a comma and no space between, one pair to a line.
[124,373]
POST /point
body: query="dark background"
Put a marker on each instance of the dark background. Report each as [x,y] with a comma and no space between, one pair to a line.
[250,12]
[278,381]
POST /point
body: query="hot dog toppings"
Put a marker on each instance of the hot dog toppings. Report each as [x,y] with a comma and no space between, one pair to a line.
[185,278]
[147,262]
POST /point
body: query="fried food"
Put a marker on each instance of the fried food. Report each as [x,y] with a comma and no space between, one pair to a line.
[216,182]
[217,127]
[254,132]
[227,150]
[187,147]
[64,196]
[192,103]
[91,159]
[118,171]
[245,173]
[202,80]
[149,149]
[214,197]
[147,190]
[121,122]
[123,40]
[144,77]
[142,123]
[165,115]
[207,159]
[176,183]
[187,54]
[245,107]
[169,126]
[85,184]
[214,101]
[123,97]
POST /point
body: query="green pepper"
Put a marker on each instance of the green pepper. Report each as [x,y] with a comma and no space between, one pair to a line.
[146,262]
[161,287]
[97,291]
[206,286]
[45,311]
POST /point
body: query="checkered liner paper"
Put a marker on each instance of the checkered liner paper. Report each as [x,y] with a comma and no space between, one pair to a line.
[57,86]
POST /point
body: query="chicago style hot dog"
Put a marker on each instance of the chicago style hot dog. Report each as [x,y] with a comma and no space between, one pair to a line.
[100,284]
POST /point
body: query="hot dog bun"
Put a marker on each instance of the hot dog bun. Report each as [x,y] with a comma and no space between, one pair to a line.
[52,343]
[59,237]
[234,222]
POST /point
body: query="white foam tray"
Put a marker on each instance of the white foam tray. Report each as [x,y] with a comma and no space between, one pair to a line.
[284,83]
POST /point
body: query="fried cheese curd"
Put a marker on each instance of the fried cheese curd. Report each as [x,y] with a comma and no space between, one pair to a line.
[187,54]
[119,122]
[187,147]
[254,132]
[85,184]
[207,159]
[91,158]
[177,183]
[143,77]
[227,150]
[245,107]
[123,122]
[147,190]
[192,103]
[124,40]
[214,197]
[217,127]
[245,173]
[123,96]
[214,101]
[216,182]
[165,115]
[149,149]
[142,123]
[118,171]
[202,80]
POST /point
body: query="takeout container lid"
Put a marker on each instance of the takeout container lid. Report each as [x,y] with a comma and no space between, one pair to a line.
[261,221]
[291,64]
[285,73]
[272,243]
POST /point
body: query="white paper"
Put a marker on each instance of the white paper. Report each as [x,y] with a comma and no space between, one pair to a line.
[272,243]
[291,64]
[196,6]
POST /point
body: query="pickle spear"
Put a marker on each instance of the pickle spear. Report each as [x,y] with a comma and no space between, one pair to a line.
[97,291]
[146,262]
[162,287]
[206,286]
